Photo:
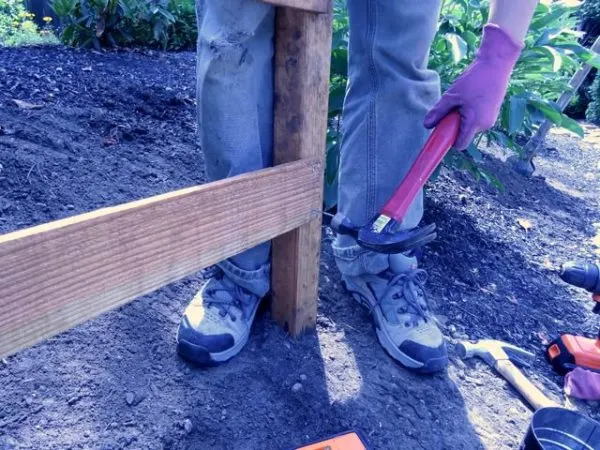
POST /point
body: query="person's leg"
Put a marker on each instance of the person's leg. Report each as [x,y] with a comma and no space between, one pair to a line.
[235,94]
[389,93]
[235,121]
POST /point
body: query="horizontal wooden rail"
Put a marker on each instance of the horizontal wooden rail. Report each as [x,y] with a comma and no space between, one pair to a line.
[58,275]
[318,6]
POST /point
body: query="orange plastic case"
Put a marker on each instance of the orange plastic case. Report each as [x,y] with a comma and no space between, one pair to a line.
[568,352]
[346,441]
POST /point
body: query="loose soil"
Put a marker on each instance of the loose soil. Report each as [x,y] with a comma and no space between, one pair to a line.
[106,128]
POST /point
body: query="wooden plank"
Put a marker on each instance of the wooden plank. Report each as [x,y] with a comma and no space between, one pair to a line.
[303,46]
[318,6]
[60,274]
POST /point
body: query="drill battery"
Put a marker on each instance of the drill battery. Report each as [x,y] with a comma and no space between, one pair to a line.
[570,351]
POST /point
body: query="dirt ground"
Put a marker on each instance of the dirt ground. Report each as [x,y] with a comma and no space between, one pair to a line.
[110,128]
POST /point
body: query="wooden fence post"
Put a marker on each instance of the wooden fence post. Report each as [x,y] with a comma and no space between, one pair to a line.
[302,63]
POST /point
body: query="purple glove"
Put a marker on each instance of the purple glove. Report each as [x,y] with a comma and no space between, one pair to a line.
[479,91]
[583,384]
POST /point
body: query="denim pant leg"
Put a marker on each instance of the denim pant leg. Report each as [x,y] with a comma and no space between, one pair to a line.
[235,106]
[389,93]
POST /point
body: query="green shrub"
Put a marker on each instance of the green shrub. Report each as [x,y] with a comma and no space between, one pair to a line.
[593,110]
[577,107]
[589,24]
[17,27]
[182,33]
[91,22]
[589,14]
[168,24]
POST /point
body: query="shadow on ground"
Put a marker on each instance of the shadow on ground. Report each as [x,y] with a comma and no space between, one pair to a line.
[116,382]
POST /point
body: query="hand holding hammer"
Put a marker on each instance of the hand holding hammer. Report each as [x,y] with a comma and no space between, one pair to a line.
[500,356]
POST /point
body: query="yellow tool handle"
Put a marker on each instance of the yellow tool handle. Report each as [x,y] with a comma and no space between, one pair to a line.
[526,388]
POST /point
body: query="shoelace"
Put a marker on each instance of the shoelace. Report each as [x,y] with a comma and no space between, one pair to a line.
[407,283]
[233,291]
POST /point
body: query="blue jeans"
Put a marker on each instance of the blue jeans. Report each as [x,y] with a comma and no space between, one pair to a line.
[389,92]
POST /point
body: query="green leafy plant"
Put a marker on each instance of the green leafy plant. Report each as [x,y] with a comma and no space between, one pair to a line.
[182,33]
[337,90]
[167,24]
[18,28]
[589,15]
[550,57]
[589,23]
[94,22]
[593,110]
[151,21]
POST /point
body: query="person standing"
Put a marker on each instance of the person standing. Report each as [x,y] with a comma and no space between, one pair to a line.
[392,101]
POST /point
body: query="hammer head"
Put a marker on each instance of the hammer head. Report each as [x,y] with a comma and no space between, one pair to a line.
[384,235]
[492,351]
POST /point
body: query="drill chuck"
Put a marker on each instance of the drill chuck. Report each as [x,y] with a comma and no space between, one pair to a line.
[583,275]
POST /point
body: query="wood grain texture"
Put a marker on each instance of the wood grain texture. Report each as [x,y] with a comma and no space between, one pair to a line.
[58,275]
[318,6]
[303,46]
[521,383]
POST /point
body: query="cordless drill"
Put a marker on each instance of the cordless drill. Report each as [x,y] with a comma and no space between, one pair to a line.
[569,351]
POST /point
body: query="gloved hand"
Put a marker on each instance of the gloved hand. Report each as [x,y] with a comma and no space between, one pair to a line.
[583,384]
[479,91]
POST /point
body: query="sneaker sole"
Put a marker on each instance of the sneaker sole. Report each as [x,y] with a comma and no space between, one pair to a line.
[430,366]
[201,356]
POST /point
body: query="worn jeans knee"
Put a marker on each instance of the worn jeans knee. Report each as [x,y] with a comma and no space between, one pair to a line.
[235,85]
[390,89]
[234,90]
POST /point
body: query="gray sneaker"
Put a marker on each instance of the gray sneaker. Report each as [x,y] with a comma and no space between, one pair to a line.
[217,322]
[404,324]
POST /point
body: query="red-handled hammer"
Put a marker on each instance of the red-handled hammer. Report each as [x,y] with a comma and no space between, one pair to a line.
[384,232]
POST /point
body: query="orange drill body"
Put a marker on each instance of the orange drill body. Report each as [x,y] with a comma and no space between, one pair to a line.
[570,351]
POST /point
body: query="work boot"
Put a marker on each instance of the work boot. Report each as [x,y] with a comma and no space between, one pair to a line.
[404,323]
[217,322]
